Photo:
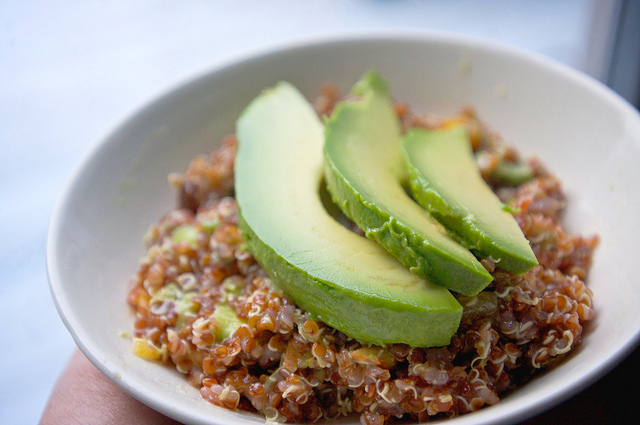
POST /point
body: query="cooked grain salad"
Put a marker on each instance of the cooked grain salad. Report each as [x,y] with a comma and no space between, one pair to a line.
[204,306]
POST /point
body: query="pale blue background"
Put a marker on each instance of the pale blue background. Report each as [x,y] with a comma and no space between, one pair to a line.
[71,70]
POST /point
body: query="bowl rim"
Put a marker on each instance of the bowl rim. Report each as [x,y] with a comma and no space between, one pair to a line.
[162,403]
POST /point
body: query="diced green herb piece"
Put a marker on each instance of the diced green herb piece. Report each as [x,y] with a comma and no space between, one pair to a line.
[227,320]
[185,233]
[509,173]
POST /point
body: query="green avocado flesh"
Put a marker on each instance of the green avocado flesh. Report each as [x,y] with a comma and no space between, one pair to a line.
[339,277]
[444,179]
[365,171]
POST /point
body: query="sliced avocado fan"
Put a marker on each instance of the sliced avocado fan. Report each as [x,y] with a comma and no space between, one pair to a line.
[339,277]
[444,179]
[364,170]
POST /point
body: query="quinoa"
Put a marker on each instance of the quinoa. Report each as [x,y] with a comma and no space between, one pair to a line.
[267,355]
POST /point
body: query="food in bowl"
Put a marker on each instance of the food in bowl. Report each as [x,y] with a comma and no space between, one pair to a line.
[206,306]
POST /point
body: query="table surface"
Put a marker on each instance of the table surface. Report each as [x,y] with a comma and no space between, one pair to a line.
[71,70]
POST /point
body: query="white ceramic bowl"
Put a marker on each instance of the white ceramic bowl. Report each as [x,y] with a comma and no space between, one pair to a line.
[581,130]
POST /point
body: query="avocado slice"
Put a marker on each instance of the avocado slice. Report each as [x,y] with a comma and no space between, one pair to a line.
[339,277]
[444,179]
[364,170]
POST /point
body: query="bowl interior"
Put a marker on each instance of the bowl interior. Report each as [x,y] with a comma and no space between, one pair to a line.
[584,133]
